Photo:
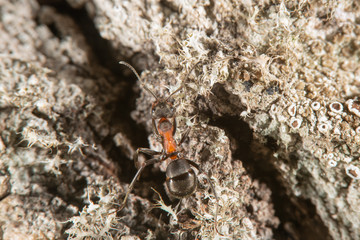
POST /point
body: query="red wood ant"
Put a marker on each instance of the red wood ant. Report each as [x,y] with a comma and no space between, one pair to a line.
[181,180]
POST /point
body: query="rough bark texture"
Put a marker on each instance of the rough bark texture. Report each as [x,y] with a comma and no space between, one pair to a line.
[272,105]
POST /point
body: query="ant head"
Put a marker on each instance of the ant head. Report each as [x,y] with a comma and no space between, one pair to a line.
[181,179]
[162,109]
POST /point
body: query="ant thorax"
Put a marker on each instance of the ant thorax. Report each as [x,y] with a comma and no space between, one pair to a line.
[166,129]
[165,126]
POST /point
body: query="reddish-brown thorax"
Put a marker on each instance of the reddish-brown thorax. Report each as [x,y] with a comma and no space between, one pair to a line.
[166,129]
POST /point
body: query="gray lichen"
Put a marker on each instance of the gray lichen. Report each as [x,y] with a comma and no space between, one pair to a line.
[289,70]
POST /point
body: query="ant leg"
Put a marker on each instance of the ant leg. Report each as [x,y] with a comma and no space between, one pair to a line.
[137,175]
[178,205]
[147,151]
[155,128]
[174,125]
[212,189]
[186,134]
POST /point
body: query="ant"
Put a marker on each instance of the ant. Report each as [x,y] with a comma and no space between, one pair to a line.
[181,180]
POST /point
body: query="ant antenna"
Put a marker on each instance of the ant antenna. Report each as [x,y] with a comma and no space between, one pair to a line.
[182,84]
[138,77]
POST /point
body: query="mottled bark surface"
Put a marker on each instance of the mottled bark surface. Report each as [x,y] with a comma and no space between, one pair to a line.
[272,107]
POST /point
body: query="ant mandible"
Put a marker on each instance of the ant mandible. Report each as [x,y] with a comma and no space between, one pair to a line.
[181,180]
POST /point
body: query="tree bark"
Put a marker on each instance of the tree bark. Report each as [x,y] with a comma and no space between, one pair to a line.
[270,95]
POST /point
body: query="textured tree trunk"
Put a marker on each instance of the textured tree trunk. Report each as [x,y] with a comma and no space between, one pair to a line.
[270,95]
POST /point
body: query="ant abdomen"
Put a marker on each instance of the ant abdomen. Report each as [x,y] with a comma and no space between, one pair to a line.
[181,179]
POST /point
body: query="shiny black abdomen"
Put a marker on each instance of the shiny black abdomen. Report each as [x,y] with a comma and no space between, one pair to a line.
[180,178]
